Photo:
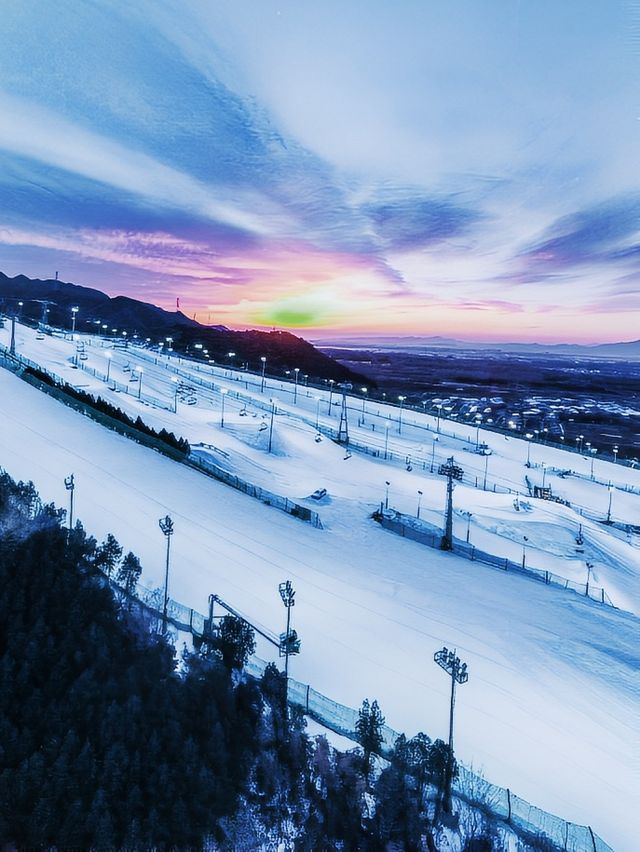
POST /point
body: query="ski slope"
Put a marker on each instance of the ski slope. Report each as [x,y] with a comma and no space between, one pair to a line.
[551,706]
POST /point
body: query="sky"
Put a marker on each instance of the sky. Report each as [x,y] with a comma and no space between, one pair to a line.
[428,167]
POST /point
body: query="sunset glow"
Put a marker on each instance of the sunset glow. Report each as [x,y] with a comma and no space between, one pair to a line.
[467,172]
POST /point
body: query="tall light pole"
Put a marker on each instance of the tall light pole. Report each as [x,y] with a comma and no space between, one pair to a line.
[174,379]
[166,525]
[402,399]
[74,311]
[331,384]
[419,502]
[70,486]
[296,371]
[593,452]
[589,569]
[433,452]
[364,399]
[139,369]
[457,671]
[528,436]
[387,426]
[610,488]
[468,516]
[486,467]
[108,356]
[264,364]
[318,400]
[223,393]
[524,550]
[544,473]
[289,642]
[273,411]
[439,410]
[478,420]
[615,454]
[386,493]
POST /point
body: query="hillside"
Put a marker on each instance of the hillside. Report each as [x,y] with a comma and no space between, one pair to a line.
[144,320]
[551,702]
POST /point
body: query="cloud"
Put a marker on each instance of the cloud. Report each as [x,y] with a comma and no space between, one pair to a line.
[412,221]
[598,233]
[69,147]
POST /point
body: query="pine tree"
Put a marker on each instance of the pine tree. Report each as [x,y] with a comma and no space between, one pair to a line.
[129,573]
[235,642]
[369,732]
[108,555]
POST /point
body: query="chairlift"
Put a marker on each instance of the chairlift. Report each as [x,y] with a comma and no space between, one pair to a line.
[243,412]
[318,438]
[347,455]
[192,400]
[39,336]
[262,427]
[126,368]
[84,356]
[133,378]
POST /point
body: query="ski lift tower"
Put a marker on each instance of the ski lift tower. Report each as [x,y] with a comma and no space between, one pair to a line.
[452,471]
[343,429]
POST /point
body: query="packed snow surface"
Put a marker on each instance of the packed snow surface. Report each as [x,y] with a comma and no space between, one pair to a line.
[551,706]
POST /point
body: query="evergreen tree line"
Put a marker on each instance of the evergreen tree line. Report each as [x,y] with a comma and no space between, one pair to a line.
[102,406]
[107,743]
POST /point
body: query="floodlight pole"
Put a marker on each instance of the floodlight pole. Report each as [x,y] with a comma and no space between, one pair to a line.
[166,525]
[457,670]
[331,384]
[296,371]
[70,486]
[288,599]
[223,393]
[401,399]
[264,364]
[273,411]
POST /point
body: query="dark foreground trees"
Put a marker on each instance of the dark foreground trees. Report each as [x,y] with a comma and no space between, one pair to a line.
[104,743]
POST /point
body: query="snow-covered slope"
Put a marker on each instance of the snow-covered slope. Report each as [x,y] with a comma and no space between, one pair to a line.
[551,706]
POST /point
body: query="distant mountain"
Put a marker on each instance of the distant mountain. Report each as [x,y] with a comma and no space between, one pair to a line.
[625,350]
[281,349]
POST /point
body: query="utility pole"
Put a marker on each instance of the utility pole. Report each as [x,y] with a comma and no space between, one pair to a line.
[12,345]
[166,525]
[343,430]
[70,486]
[452,471]
[419,502]
[457,670]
